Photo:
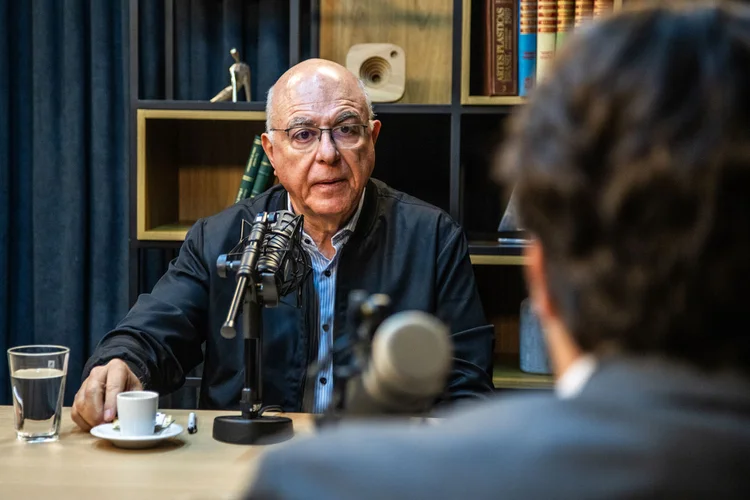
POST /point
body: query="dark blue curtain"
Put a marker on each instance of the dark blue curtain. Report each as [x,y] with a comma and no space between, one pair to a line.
[63,176]
[64,149]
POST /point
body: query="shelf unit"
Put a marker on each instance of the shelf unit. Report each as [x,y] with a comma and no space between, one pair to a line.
[199,149]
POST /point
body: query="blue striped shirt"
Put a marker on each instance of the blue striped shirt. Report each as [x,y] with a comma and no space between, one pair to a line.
[318,393]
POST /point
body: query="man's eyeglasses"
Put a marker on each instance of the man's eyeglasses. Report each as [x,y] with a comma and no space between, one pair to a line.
[347,136]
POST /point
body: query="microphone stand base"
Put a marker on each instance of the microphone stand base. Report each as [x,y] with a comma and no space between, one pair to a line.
[235,429]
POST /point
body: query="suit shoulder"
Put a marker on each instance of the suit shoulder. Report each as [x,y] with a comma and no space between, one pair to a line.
[479,440]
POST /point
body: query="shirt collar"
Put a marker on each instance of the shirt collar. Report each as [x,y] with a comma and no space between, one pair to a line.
[572,382]
[349,227]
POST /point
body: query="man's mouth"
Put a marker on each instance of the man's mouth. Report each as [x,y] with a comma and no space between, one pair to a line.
[329,182]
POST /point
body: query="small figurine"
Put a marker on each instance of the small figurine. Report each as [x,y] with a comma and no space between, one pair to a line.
[239,73]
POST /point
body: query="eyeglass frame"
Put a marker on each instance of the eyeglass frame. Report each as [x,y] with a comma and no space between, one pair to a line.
[329,130]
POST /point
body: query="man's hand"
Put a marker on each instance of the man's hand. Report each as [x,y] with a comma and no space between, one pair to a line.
[96,400]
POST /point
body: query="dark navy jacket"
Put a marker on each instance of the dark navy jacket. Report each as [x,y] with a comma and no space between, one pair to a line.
[401,246]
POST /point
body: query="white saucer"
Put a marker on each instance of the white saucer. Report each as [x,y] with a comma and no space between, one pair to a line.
[105,431]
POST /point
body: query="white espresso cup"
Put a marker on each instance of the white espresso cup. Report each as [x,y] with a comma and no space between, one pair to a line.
[136,411]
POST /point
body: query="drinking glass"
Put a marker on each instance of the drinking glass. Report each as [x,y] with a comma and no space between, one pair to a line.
[37,375]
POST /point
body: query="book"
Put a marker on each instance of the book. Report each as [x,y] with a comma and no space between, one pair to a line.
[526,46]
[603,8]
[584,12]
[501,71]
[546,33]
[265,173]
[565,21]
[251,170]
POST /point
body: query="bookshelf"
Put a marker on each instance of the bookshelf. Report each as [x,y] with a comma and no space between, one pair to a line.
[187,156]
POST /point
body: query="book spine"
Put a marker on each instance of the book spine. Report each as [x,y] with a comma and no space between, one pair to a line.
[501,72]
[565,19]
[526,46]
[261,180]
[251,170]
[545,39]
[603,8]
[584,12]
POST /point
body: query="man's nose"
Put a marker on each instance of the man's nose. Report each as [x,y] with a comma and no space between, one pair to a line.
[327,151]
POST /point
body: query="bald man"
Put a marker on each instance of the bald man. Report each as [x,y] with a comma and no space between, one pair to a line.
[358,234]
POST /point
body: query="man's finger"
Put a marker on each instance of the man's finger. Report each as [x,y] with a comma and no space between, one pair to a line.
[135,384]
[78,420]
[77,405]
[117,379]
[93,397]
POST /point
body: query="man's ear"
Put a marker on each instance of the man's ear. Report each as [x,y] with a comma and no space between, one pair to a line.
[375,130]
[536,280]
[265,139]
[561,345]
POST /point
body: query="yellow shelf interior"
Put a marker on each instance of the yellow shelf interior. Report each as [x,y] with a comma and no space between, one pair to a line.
[498,260]
[507,375]
[189,166]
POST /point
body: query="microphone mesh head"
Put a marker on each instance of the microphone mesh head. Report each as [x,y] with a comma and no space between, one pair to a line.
[412,354]
[282,254]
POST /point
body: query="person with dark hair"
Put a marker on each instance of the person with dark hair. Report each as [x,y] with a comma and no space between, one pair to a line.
[631,169]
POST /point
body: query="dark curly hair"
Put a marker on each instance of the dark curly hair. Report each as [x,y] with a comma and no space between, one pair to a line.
[631,165]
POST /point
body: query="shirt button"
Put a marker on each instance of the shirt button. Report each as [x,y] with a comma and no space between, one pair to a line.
[323,380]
[325,327]
[327,273]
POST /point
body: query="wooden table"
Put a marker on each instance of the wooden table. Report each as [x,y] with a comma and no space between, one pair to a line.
[80,466]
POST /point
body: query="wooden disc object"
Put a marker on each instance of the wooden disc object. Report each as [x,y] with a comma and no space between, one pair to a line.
[381,67]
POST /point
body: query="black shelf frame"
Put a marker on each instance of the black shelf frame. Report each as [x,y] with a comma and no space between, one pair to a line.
[201,105]
[494,248]
[455,109]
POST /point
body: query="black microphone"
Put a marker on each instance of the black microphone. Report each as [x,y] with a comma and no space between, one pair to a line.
[272,264]
[272,257]
[282,267]
[410,360]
